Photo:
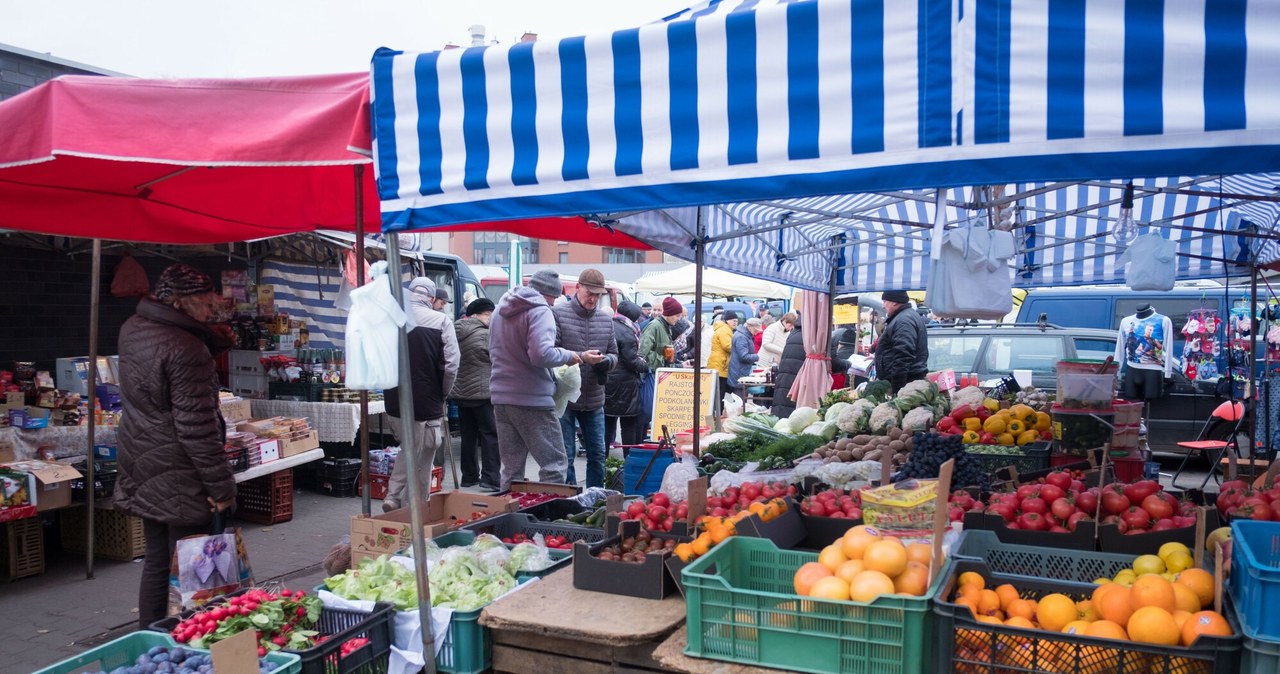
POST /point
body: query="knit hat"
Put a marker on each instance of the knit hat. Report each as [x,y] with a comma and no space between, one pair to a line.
[899,296]
[547,282]
[729,315]
[646,305]
[629,309]
[480,306]
[671,307]
[181,280]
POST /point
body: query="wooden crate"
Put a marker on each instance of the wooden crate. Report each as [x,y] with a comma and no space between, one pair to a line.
[22,548]
[115,535]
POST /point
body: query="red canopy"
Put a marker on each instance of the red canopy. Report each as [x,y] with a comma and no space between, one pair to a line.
[201,161]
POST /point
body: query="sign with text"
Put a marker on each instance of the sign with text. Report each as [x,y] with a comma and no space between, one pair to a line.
[673,400]
[844,314]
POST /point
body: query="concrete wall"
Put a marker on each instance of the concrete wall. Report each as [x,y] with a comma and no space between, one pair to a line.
[21,69]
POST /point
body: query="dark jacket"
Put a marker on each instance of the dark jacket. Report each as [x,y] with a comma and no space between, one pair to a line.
[742,354]
[622,391]
[793,357]
[171,436]
[474,366]
[433,356]
[902,354]
[578,329]
[523,351]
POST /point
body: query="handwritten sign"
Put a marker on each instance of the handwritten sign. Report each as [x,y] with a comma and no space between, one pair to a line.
[844,314]
[673,400]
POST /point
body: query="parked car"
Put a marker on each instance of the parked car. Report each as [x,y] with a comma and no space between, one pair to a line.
[994,351]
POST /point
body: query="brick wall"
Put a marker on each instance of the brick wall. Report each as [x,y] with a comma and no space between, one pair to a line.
[44,303]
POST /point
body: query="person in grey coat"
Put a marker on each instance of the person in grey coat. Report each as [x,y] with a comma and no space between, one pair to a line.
[480,461]
[523,351]
[582,326]
[742,353]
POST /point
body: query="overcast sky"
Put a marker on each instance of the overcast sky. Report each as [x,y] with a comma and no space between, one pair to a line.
[251,38]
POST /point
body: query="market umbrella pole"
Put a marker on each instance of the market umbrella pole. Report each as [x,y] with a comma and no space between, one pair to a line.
[699,248]
[95,287]
[419,544]
[364,395]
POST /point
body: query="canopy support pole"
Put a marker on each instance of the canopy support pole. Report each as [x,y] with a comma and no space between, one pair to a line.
[419,546]
[364,395]
[1254,325]
[699,254]
[95,287]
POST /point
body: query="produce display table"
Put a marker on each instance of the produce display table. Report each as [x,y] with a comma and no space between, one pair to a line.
[281,464]
[335,422]
[66,441]
[670,654]
[552,627]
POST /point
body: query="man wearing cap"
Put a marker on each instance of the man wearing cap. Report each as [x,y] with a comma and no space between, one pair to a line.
[582,327]
[441,301]
[902,355]
[523,351]
[481,464]
[646,315]
[433,366]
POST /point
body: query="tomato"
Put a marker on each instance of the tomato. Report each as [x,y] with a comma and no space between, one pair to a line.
[1059,479]
[1164,524]
[1005,511]
[1113,501]
[1051,493]
[1075,519]
[1161,506]
[661,499]
[1139,490]
[1033,521]
[1062,509]
[1027,491]
[1087,501]
[1034,505]
[1137,518]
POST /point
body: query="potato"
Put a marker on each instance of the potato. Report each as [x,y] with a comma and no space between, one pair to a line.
[862,439]
[897,446]
[894,433]
[858,453]
[842,444]
[845,455]
[873,455]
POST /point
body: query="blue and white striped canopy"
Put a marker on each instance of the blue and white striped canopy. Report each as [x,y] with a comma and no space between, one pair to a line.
[736,102]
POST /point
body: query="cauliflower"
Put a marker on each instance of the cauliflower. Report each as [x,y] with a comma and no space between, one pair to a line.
[853,419]
[969,395]
[915,394]
[918,419]
[883,417]
[833,412]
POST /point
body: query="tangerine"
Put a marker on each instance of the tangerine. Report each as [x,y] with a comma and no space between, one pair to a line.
[1007,594]
[1153,625]
[888,556]
[971,604]
[973,578]
[1055,611]
[1019,621]
[1152,590]
[807,575]
[1204,622]
[988,602]
[869,584]
[1181,617]
[1021,608]
[1200,582]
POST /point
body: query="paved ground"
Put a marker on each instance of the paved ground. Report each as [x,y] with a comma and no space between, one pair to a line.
[50,617]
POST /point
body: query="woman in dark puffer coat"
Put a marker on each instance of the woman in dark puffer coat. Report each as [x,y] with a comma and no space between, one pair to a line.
[789,367]
[622,391]
[173,470]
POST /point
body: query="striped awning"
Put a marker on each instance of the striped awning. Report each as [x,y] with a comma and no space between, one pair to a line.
[771,104]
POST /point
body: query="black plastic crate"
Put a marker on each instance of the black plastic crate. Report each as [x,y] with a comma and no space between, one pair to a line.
[292,390]
[510,524]
[968,645]
[238,459]
[341,625]
[555,509]
[104,486]
[1030,459]
[339,469]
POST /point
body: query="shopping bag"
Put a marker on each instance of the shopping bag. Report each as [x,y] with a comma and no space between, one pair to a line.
[208,566]
[970,277]
[648,388]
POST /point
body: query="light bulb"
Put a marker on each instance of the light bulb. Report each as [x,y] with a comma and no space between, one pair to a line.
[1126,230]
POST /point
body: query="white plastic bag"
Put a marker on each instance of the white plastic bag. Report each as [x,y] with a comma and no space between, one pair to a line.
[732,405]
[675,481]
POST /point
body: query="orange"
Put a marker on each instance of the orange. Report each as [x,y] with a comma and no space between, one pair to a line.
[1086,611]
[1185,598]
[972,578]
[888,556]
[830,587]
[971,591]
[1054,611]
[1153,625]
[914,581]
[1021,608]
[1101,590]
[971,604]
[1075,627]
[1105,629]
[920,552]
[1200,581]
[1114,605]
[988,602]
[1152,590]
[1204,622]
[832,557]
[849,569]
[809,574]
[856,540]
[1181,617]
[868,585]
[1007,594]
[1018,621]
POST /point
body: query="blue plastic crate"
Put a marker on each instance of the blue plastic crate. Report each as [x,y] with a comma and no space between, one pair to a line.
[1255,576]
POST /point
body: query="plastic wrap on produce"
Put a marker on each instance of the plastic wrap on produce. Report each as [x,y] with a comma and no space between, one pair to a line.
[675,481]
[590,495]
[727,478]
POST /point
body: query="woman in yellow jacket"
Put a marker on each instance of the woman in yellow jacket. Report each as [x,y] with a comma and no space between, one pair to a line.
[721,344]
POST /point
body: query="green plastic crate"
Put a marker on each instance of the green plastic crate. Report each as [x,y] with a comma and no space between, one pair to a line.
[124,651]
[742,608]
[467,646]
[1079,566]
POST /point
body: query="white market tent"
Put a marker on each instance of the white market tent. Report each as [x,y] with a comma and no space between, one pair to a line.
[717,283]
[820,131]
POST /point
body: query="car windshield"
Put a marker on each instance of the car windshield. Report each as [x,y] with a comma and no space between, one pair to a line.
[1038,353]
[955,352]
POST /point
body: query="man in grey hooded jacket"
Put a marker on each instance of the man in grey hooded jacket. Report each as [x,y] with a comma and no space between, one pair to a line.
[433,365]
[522,348]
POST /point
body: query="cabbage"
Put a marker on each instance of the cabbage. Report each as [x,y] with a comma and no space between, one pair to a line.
[833,412]
[783,426]
[802,416]
[530,556]
[823,429]
[377,579]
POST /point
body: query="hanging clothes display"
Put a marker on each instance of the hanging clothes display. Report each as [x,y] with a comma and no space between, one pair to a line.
[1201,345]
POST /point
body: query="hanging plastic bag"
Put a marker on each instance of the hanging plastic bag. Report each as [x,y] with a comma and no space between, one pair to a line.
[732,405]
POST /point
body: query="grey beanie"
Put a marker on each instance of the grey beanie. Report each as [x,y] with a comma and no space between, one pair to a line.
[547,282]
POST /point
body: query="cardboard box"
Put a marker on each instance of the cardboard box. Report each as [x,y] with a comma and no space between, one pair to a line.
[388,533]
[526,487]
[650,579]
[289,448]
[234,410]
[53,483]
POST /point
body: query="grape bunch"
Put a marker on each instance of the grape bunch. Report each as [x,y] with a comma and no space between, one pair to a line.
[931,450]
